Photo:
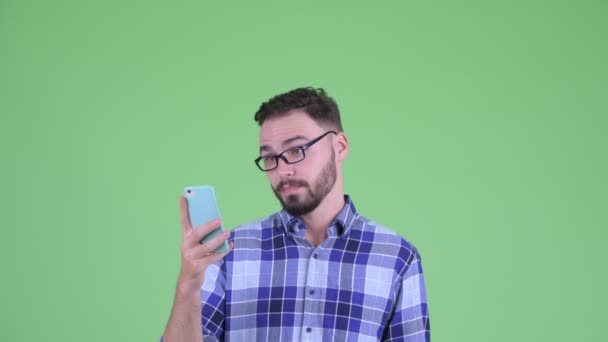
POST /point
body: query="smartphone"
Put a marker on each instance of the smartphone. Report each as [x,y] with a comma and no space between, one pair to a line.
[202,208]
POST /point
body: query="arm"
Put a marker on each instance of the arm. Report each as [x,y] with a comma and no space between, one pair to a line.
[184,324]
[409,321]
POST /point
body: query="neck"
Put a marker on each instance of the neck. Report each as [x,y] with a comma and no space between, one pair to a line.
[318,220]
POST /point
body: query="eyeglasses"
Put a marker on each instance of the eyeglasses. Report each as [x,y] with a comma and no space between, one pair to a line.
[290,156]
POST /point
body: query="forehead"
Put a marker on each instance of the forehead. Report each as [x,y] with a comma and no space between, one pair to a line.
[276,130]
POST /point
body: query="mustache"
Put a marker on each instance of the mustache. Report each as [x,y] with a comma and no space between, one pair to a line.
[291,182]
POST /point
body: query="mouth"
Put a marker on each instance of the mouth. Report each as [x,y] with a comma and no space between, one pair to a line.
[288,189]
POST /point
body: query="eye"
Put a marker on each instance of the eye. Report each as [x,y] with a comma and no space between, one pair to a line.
[267,159]
[294,152]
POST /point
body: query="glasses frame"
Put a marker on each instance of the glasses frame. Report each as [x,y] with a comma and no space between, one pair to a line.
[302,148]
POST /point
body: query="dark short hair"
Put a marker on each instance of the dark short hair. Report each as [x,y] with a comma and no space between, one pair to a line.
[315,102]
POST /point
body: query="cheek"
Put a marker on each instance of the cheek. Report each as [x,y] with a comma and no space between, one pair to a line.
[314,164]
[308,172]
[321,158]
[273,178]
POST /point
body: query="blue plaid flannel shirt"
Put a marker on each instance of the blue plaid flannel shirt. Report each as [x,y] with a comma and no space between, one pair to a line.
[363,283]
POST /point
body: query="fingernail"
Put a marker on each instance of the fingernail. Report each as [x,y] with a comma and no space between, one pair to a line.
[226,234]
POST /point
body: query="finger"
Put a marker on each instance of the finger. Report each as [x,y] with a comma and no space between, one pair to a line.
[184,217]
[203,230]
[217,256]
[209,246]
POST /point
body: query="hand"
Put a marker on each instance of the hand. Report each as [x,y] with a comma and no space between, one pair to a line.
[196,257]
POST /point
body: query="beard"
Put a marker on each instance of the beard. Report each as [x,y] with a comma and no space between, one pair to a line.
[296,204]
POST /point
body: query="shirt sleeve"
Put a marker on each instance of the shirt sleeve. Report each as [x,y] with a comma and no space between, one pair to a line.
[409,321]
[213,298]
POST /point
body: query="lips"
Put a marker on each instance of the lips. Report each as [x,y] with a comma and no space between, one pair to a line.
[289,188]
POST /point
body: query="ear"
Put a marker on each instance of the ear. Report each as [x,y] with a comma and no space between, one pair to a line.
[341,146]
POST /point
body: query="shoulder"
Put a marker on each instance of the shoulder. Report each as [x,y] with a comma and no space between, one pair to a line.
[385,241]
[377,232]
[256,229]
[250,238]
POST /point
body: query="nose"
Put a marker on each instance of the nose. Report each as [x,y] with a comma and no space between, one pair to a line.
[285,169]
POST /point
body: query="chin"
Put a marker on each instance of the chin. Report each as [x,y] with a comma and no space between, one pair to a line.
[291,199]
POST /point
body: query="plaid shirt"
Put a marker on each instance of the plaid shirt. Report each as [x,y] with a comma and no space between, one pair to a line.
[363,283]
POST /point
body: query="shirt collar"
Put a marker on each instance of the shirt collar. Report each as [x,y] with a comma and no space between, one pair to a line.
[339,228]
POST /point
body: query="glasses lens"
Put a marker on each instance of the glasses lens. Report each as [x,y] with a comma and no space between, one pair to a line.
[290,156]
[294,155]
[268,163]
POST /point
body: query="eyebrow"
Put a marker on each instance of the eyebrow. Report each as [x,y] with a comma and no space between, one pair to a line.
[284,143]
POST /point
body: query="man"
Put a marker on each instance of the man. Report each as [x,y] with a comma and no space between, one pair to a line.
[315,271]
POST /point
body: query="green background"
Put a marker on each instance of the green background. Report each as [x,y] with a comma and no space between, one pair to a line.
[477,131]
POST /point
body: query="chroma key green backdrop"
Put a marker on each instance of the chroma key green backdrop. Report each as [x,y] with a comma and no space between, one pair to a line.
[477,130]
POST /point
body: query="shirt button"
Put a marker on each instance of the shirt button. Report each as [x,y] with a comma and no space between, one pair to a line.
[315,255]
[309,329]
[311,292]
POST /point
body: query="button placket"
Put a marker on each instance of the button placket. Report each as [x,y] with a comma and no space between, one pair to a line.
[315,256]
[311,305]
